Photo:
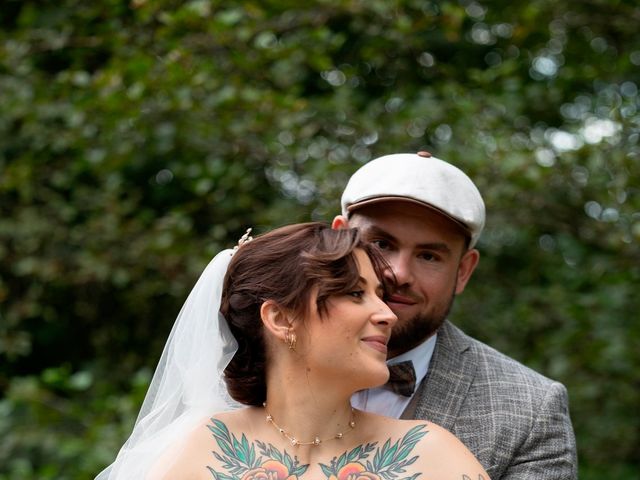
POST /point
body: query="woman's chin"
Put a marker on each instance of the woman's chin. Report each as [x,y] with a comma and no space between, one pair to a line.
[376,379]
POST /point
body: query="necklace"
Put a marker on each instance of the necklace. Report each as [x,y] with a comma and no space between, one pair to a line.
[316,441]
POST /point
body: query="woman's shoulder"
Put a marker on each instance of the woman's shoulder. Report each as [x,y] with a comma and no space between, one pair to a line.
[431,449]
[443,454]
[190,457]
[422,432]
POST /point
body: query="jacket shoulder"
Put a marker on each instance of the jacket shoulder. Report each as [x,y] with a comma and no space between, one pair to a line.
[492,365]
[511,417]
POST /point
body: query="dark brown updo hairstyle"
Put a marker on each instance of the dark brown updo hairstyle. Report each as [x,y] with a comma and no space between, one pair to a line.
[285,266]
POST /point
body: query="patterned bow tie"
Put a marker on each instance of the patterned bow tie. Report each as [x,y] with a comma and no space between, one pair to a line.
[402,378]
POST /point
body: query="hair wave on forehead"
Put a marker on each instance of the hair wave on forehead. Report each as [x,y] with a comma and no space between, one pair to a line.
[287,266]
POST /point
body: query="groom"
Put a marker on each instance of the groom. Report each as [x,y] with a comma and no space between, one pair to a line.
[426,216]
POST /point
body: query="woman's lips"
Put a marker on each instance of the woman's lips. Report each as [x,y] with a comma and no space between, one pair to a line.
[378,343]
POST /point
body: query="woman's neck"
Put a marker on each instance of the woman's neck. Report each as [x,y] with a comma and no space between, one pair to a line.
[317,439]
[300,412]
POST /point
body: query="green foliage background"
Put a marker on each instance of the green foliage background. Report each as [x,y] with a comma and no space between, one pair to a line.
[139,137]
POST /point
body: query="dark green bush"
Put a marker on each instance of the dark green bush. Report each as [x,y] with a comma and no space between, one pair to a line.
[139,137]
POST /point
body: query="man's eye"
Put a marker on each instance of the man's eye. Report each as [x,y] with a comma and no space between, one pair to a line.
[427,256]
[381,244]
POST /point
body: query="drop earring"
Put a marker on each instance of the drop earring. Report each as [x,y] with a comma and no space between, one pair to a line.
[290,338]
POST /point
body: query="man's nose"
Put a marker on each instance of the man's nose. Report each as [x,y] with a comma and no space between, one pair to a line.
[401,267]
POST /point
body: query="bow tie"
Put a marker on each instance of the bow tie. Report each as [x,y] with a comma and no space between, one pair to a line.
[402,378]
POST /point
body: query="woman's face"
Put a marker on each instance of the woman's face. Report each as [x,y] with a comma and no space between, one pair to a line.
[350,340]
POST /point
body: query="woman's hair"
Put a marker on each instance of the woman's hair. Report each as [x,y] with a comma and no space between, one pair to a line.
[286,266]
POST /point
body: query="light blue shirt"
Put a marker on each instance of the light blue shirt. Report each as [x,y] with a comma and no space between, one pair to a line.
[385,402]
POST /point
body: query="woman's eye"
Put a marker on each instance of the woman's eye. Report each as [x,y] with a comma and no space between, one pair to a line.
[356,294]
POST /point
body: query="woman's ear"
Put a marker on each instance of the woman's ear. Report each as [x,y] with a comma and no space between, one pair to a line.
[275,320]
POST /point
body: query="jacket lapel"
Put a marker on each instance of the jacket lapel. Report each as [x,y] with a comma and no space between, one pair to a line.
[451,372]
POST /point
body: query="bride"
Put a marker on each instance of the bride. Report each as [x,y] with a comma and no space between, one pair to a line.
[295,328]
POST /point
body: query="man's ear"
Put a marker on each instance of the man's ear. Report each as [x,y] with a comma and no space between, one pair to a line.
[340,222]
[275,319]
[467,265]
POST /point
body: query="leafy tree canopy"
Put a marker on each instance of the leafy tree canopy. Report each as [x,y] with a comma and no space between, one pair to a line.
[139,137]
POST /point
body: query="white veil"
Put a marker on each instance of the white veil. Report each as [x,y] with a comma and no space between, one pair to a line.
[187,384]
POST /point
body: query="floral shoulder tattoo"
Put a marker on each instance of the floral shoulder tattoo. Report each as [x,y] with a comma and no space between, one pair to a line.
[243,460]
[389,462]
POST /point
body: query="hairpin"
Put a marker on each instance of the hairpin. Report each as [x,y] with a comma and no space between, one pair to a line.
[246,238]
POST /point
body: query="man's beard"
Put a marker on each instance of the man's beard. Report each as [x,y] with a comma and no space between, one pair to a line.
[416,330]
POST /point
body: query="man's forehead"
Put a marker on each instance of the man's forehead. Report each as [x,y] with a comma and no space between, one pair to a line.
[399,210]
[393,219]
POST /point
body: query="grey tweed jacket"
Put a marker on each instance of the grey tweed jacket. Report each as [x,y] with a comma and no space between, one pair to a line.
[513,419]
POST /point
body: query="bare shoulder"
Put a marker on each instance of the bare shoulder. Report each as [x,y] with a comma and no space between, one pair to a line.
[190,458]
[443,455]
[180,459]
[427,449]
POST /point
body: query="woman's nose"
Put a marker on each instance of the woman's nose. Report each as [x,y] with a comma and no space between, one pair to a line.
[384,315]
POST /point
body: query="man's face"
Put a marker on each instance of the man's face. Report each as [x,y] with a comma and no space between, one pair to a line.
[431,264]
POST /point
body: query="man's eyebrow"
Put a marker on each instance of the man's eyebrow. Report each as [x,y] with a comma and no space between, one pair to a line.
[378,232]
[438,246]
[374,231]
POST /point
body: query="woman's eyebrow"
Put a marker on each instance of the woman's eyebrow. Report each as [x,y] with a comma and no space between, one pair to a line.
[378,287]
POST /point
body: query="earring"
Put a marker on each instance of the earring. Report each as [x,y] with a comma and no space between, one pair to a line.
[290,338]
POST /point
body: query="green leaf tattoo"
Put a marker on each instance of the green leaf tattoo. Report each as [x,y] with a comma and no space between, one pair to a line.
[389,462]
[240,461]
[359,453]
